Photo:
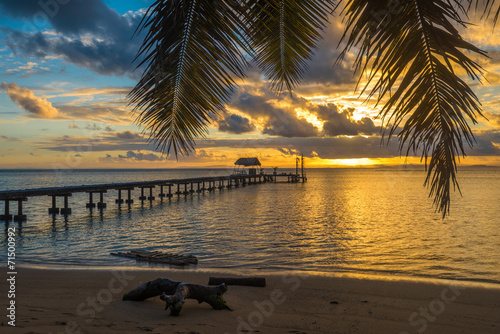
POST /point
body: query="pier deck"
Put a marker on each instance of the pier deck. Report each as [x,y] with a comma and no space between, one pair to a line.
[175,186]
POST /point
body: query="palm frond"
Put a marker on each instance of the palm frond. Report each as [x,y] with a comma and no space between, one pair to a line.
[285,35]
[192,51]
[488,7]
[411,50]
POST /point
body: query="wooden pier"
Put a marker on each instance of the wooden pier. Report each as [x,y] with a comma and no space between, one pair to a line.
[168,188]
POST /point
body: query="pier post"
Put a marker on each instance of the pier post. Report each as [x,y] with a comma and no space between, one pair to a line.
[20,217]
[170,195]
[192,190]
[186,192]
[199,190]
[90,204]
[151,197]
[178,189]
[142,197]
[101,204]
[161,192]
[66,210]
[54,210]
[119,200]
[7,216]
[129,200]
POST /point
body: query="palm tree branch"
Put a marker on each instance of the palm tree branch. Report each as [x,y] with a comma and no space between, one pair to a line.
[192,52]
[413,50]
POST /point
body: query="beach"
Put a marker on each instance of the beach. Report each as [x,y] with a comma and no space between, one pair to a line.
[90,301]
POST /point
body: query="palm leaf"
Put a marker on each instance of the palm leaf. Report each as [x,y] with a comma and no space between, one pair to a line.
[488,8]
[192,51]
[285,35]
[411,53]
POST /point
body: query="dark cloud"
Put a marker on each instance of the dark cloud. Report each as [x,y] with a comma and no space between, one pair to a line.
[139,156]
[235,124]
[322,69]
[129,135]
[89,33]
[278,121]
[487,144]
[340,123]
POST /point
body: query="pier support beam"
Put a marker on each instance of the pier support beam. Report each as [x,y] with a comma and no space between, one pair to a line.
[151,197]
[119,200]
[170,195]
[66,210]
[90,204]
[54,210]
[101,204]
[161,195]
[7,216]
[142,197]
[20,217]
[129,199]
[186,192]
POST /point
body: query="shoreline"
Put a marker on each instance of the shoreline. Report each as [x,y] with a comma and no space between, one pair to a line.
[89,301]
[273,272]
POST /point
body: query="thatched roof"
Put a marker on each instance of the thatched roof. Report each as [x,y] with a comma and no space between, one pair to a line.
[247,162]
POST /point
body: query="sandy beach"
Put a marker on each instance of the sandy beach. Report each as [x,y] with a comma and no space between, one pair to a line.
[89,301]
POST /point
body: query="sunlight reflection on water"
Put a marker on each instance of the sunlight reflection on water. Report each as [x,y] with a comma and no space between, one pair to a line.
[374,221]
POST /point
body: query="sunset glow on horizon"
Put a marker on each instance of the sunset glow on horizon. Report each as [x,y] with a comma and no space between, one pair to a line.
[65,82]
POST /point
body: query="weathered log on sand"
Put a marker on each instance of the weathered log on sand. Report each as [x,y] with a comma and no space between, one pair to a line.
[247,281]
[175,293]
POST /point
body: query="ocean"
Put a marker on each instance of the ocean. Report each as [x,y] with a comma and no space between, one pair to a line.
[367,221]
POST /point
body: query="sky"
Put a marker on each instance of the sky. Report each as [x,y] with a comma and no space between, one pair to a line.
[66,68]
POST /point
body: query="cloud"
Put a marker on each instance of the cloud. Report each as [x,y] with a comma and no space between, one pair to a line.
[97,112]
[27,100]
[494,119]
[129,135]
[277,121]
[235,124]
[86,33]
[341,123]
[133,157]
[290,117]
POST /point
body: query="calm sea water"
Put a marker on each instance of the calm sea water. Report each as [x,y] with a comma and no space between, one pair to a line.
[362,221]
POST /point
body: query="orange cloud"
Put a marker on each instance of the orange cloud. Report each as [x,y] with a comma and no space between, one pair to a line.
[27,100]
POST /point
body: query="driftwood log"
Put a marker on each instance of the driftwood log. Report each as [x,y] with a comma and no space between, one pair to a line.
[247,281]
[175,293]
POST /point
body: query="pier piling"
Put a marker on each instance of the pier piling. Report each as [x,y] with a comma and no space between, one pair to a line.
[54,210]
[20,217]
[129,200]
[66,210]
[90,204]
[119,200]
[101,205]
[151,197]
[7,216]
